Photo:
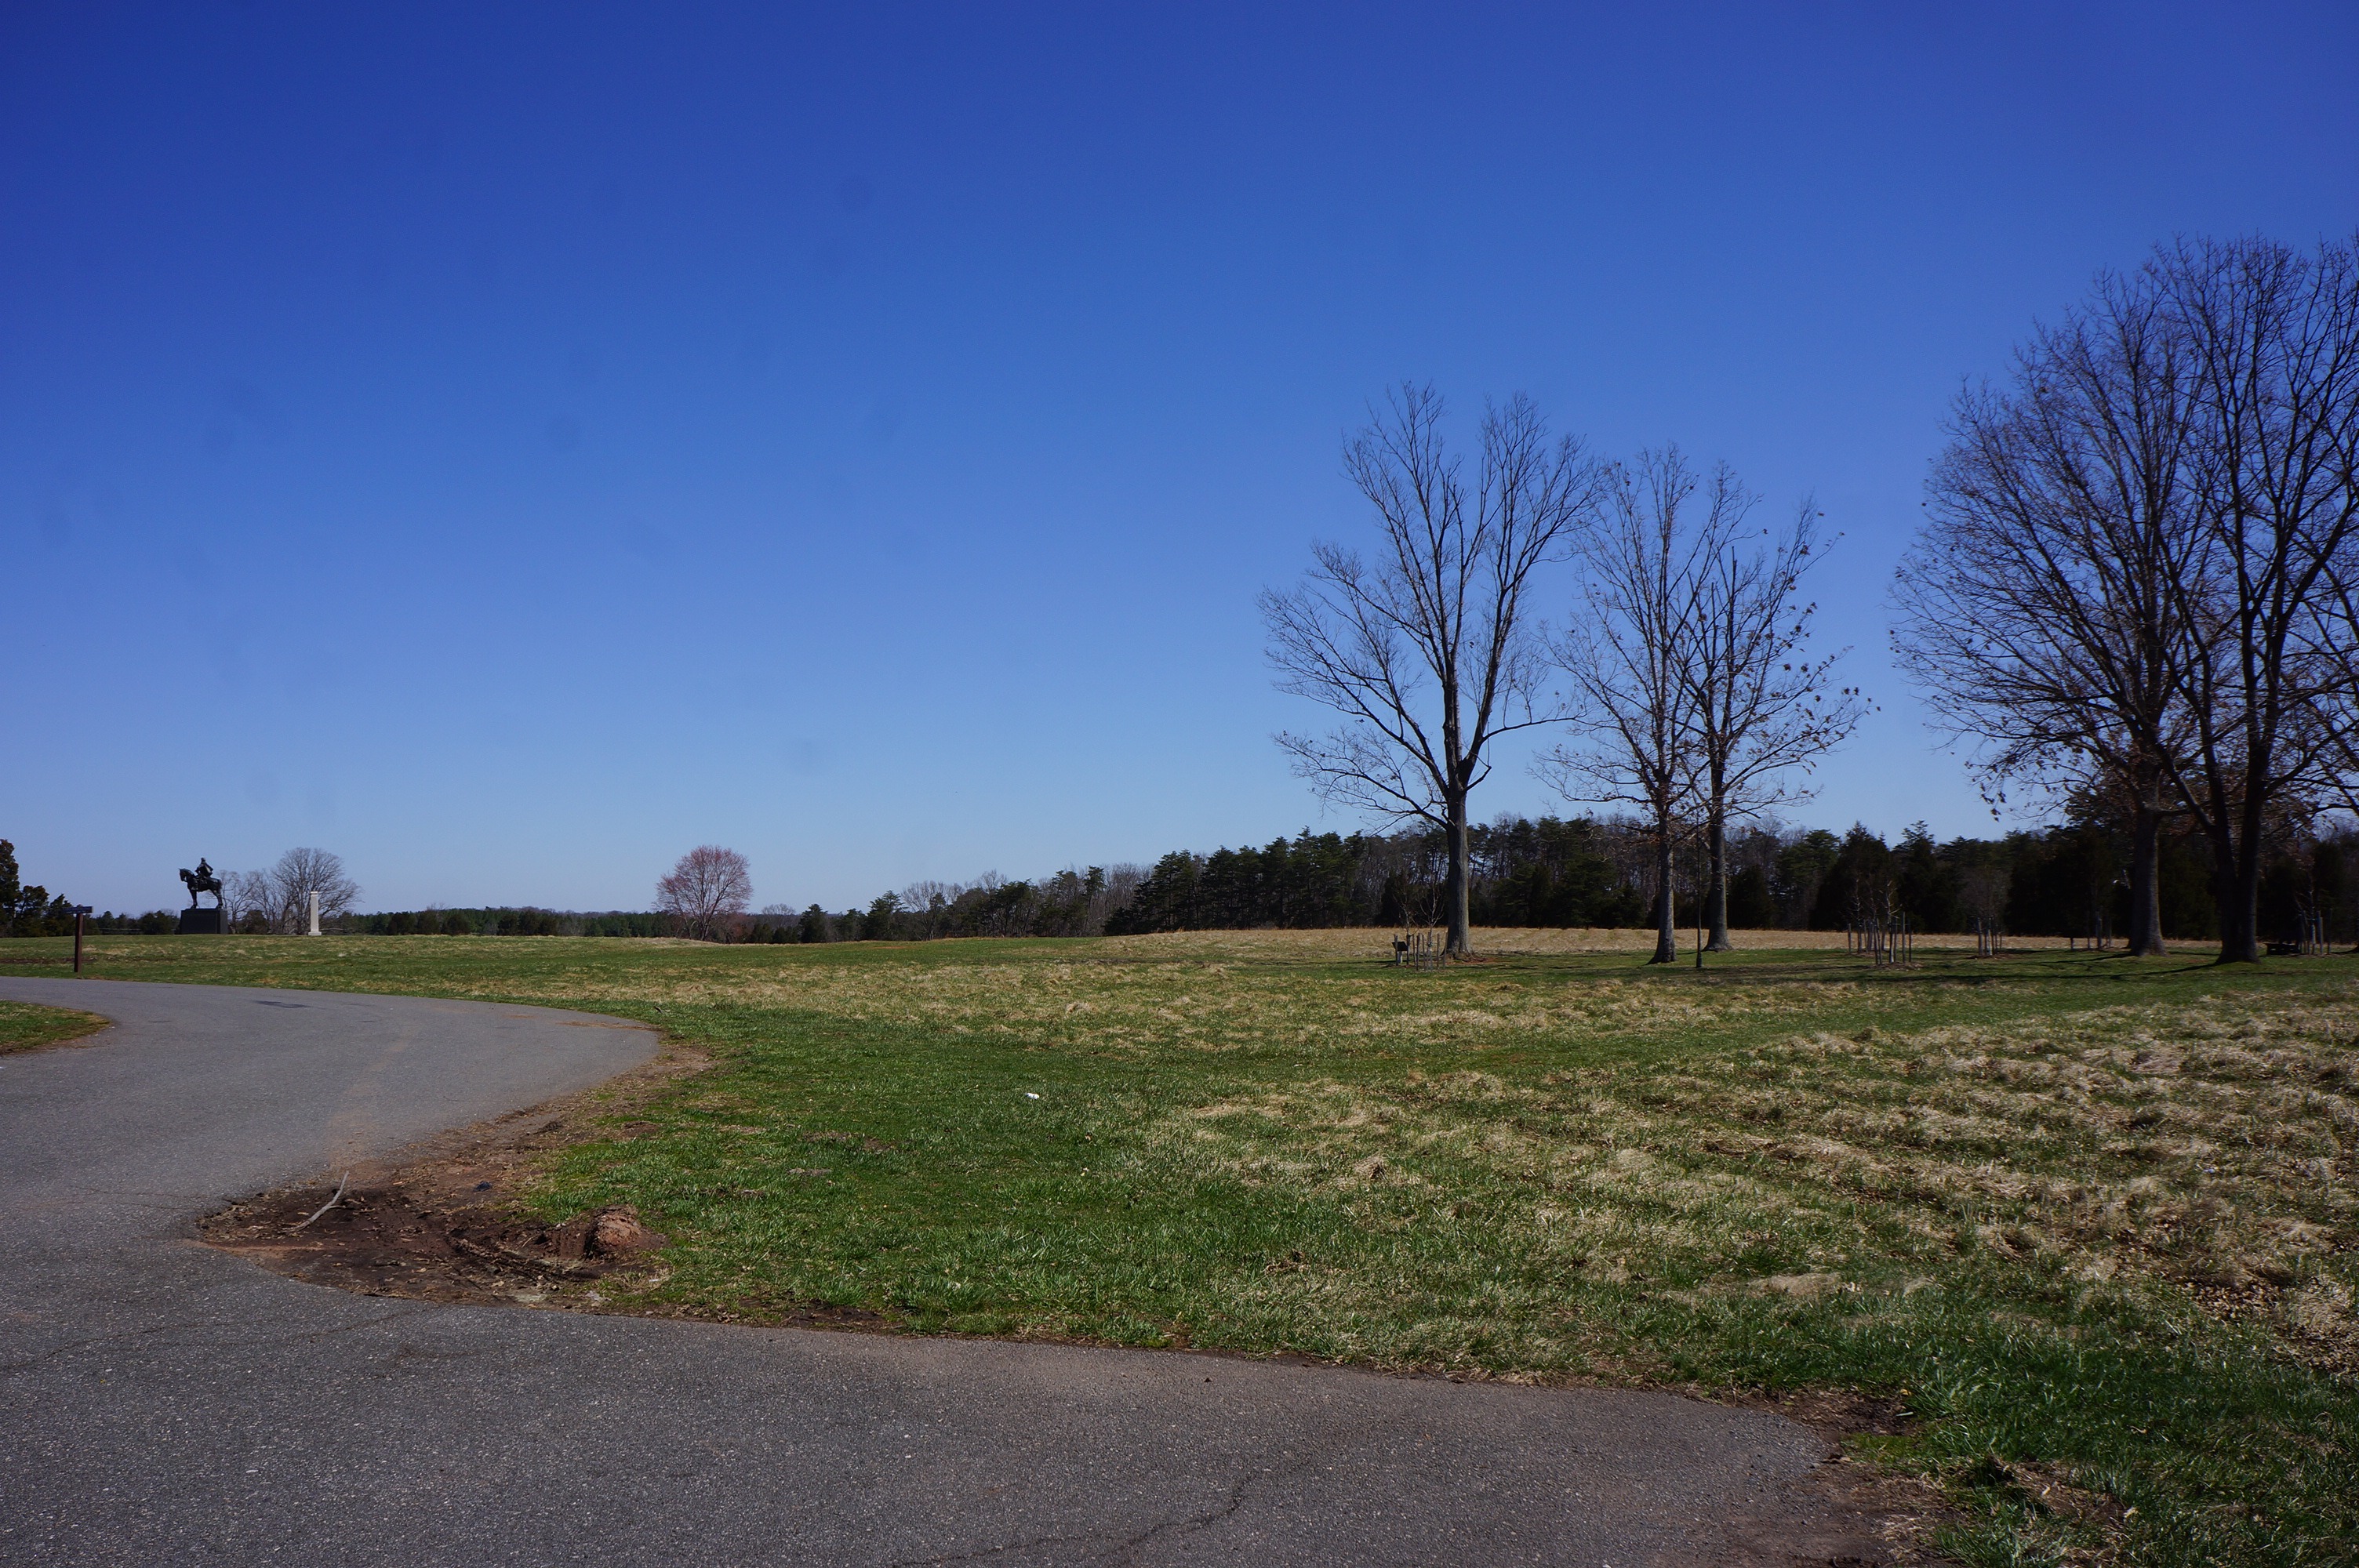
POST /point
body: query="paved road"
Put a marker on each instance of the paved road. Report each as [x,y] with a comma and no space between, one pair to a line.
[162,1402]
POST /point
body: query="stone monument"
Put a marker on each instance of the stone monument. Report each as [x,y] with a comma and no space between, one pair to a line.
[202,921]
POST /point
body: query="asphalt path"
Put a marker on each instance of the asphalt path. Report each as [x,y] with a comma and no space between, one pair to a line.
[164,1403]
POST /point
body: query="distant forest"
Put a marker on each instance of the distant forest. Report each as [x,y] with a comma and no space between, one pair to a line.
[2057,882]
[2067,881]
[1585,871]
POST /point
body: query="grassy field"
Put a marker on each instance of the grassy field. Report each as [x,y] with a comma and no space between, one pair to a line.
[25,1027]
[2092,1219]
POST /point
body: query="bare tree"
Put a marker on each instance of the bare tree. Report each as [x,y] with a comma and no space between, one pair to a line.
[244,896]
[1763,710]
[1630,657]
[706,891]
[2041,607]
[1427,651]
[2273,340]
[288,885]
[1983,889]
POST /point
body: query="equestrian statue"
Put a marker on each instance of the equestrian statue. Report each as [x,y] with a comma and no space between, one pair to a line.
[202,879]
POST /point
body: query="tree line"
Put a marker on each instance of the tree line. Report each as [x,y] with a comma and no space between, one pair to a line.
[2071,880]
[1070,903]
[507,920]
[2067,881]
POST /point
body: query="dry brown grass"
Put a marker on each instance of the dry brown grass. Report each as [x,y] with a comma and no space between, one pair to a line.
[2211,1148]
[1201,999]
[1348,943]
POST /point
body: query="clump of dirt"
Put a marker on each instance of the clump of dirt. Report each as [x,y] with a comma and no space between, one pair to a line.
[388,1241]
[415,1234]
[440,1221]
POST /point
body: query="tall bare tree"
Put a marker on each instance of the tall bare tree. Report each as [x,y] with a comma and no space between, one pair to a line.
[2040,608]
[1762,708]
[1427,650]
[1630,656]
[706,891]
[2272,336]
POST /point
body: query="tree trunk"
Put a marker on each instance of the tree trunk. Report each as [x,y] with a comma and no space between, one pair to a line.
[1667,931]
[1715,893]
[2146,883]
[2236,880]
[1454,888]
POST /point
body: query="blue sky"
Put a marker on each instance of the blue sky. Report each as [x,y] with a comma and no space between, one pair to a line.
[509,446]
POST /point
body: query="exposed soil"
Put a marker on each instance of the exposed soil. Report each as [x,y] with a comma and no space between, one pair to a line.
[390,1240]
[440,1221]
[1844,1515]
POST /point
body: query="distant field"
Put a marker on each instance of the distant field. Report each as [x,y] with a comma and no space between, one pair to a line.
[2090,1218]
[25,1027]
[1501,941]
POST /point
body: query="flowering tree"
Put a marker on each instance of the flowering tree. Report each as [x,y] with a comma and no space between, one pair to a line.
[707,892]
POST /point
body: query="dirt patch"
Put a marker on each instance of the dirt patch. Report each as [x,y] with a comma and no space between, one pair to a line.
[1843,1514]
[441,1221]
[412,1236]
[388,1240]
[1837,1415]
[1846,1513]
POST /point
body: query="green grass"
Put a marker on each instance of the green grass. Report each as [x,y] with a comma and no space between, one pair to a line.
[25,1027]
[2090,1218]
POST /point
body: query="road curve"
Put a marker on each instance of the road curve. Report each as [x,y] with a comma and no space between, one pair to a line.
[162,1402]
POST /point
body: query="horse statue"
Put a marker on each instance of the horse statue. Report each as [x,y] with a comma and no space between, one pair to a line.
[202,879]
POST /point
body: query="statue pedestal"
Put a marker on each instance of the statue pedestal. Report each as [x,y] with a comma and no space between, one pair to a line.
[200,923]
